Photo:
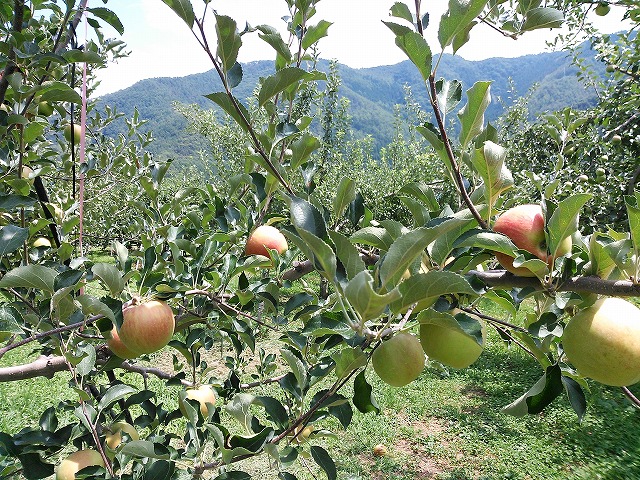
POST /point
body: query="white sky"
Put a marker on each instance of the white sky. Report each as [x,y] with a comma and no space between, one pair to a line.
[162,45]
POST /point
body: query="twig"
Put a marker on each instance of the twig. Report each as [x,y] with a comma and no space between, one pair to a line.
[631,396]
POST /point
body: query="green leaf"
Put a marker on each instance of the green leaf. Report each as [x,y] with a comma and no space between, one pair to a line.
[345,194]
[278,82]
[113,394]
[489,163]
[403,252]
[564,220]
[376,237]
[418,51]
[296,366]
[145,449]
[432,136]
[633,212]
[183,9]
[457,19]
[576,396]
[60,92]
[545,390]
[88,361]
[12,238]
[302,149]
[348,254]
[229,41]
[233,475]
[423,193]
[273,38]
[472,115]
[400,10]
[33,468]
[324,460]
[30,276]
[315,33]
[10,320]
[306,216]
[492,241]
[459,222]
[364,299]
[80,56]
[109,17]
[239,408]
[542,17]
[424,289]
[11,201]
[449,94]
[228,104]
[363,395]
[347,360]
[110,276]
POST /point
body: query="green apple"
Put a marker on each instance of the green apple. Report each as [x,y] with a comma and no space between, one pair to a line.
[77,131]
[616,139]
[77,461]
[263,237]
[399,360]
[450,346]
[524,225]
[603,342]
[113,437]
[602,9]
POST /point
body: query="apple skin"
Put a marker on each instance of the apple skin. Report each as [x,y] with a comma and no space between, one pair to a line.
[77,461]
[119,348]
[450,347]
[146,326]
[603,342]
[42,242]
[524,225]
[266,236]
[399,360]
[114,437]
[203,394]
[77,131]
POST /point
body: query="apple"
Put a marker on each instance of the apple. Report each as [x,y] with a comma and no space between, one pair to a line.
[266,236]
[77,461]
[204,395]
[602,9]
[116,345]
[77,131]
[45,109]
[399,360]
[449,346]
[42,242]
[379,450]
[147,326]
[616,139]
[524,225]
[114,434]
[603,342]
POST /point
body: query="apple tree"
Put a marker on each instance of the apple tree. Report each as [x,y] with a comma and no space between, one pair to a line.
[188,281]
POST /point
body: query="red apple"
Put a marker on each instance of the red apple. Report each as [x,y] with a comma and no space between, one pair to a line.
[118,347]
[147,326]
[524,225]
[77,461]
[266,236]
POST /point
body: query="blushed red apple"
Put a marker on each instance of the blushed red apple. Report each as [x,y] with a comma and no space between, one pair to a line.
[147,326]
[524,225]
[263,237]
[118,347]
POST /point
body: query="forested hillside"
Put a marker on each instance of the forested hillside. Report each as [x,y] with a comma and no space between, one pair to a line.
[372,93]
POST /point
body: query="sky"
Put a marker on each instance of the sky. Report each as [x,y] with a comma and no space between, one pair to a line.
[162,45]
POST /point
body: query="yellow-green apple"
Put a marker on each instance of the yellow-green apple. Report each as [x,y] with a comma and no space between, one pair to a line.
[204,395]
[602,9]
[77,131]
[399,360]
[524,225]
[42,242]
[114,434]
[77,461]
[449,346]
[118,347]
[603,342]
[266,236]
[45,109]
[147,326]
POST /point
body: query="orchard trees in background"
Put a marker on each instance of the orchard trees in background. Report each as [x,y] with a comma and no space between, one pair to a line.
[391,285]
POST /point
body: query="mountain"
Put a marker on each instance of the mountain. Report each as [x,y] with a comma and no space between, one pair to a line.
[372,92]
